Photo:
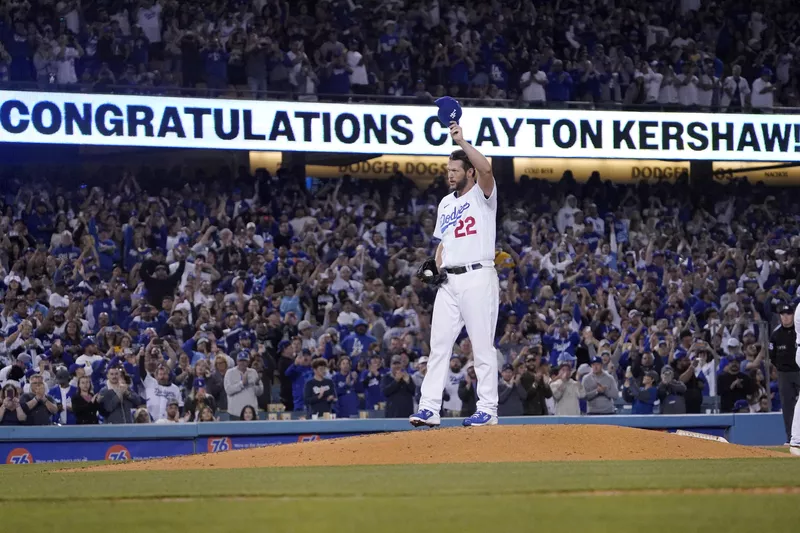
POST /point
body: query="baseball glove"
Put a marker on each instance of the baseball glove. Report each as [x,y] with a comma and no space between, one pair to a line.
[430,274]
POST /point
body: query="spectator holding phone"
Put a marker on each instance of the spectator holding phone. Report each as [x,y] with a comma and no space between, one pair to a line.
[642,397]
[117,401]
[687,370]
[298,373]
[671,393]
[11,412]
[733,386]
[320,392]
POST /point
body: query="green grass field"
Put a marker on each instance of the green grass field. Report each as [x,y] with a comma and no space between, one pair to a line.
[519,497]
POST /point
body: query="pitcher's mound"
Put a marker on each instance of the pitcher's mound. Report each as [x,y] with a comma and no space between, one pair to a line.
[497,444]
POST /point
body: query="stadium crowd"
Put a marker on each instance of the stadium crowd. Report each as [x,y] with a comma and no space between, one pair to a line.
[725,54]
[141,301]
[138,301]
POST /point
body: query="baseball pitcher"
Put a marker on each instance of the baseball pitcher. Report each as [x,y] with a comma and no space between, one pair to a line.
[468,286]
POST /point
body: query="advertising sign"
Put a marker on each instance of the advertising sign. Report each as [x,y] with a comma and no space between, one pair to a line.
[150,121]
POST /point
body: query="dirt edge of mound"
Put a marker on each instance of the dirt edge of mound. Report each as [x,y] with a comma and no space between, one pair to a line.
[497,444]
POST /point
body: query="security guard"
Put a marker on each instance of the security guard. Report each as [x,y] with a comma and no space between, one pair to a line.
[783,346]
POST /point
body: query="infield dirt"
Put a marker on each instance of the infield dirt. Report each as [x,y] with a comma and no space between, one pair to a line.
[497,444]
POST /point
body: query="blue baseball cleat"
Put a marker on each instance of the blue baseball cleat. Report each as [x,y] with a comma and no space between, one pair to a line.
[481,419]
[425,417]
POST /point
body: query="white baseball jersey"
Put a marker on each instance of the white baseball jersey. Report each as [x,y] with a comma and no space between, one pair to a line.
[158,397]
[467,227]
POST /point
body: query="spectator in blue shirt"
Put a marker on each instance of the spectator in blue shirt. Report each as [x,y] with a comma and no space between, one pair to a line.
[371,382]
[357,344]
[66,250]
[347,388]
[642,397]
[63,393]
[337,80]
[299,373]
[216,66]
[319,392]
[559,83]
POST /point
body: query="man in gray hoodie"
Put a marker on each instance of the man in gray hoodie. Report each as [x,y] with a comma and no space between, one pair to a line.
[242,385]
[567,392]
[601,389]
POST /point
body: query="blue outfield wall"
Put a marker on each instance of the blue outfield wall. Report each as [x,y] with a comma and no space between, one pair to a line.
[24,444]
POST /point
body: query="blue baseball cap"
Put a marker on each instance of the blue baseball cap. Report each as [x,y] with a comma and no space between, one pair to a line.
[359,322]
[199,383]
[741,404]
[283,344]
[244,355]
[449,110]
[596,359]
[87,341]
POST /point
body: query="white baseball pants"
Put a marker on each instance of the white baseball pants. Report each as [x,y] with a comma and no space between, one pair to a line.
[472,300]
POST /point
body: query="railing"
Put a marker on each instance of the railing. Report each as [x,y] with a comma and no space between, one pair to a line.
[246,94]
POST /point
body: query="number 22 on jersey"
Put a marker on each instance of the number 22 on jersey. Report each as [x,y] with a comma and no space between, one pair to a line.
[465,227]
